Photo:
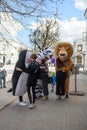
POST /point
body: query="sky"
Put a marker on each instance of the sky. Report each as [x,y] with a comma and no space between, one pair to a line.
[71,21]
[73,8]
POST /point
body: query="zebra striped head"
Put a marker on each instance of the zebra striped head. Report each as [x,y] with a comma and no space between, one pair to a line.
[45,54]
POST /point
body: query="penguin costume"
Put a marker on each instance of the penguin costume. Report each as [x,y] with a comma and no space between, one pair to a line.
[20,76]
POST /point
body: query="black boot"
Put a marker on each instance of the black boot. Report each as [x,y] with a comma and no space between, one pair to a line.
[67,96]
[10,90]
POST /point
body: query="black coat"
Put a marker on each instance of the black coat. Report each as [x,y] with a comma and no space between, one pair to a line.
[21,63]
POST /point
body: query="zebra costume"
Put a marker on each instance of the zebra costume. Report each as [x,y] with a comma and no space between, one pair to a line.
[44,54]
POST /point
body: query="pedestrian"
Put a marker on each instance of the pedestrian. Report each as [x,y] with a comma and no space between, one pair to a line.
[32,79]
[3,78]
[20,76]
[44,72]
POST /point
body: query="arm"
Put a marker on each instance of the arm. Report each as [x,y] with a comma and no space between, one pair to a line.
[27,70]
[68,67]
[56,65]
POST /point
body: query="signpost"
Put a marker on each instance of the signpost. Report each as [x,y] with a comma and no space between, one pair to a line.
[75,71]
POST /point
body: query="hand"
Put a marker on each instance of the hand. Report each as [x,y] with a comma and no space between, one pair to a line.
[64,69]
[18,69]
[44,67]
[56,68]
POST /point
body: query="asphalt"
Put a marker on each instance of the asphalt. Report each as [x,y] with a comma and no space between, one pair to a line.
[67,114]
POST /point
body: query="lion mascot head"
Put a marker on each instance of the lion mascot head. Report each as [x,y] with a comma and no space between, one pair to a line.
[64,51]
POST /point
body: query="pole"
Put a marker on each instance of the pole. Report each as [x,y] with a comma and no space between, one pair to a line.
[86,31]
[79,93]
[85,14]
[35,46]
[75,81]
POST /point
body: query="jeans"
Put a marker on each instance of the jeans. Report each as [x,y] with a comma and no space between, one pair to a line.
[2,82]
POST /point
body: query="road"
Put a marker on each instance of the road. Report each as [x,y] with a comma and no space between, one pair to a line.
[68,114]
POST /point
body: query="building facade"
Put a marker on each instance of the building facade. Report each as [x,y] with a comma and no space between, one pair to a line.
[80,53]
[9,51]
[9,45]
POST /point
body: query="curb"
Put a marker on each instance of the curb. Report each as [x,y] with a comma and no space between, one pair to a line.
[7,105]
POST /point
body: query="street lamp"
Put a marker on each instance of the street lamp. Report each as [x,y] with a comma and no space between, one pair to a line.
[35,38]
[85,15]
[32,38]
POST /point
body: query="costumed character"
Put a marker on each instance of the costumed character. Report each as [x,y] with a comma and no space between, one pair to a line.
[64,51]
[20,76]
[42,82]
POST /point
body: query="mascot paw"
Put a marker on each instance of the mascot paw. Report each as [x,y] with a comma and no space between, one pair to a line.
[64,69]
[56,68]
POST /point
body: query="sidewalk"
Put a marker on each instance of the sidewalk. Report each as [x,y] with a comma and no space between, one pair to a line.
[67,114]
[83,72]
[6,98]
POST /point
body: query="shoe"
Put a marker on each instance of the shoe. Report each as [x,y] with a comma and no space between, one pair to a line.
[62,97]
[51,90]
[67,96]
[58,97]
[22,104]
[45,98]
[4,86]
[34,105]
[10,90]
[31,106]
[41,95]
[36,97]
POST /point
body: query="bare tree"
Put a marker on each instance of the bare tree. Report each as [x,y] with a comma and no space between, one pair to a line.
[21,7]
[46,34]
[28,8]
[20,10]
[26,11]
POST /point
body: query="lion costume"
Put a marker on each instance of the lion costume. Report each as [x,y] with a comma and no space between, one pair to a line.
[63,51]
